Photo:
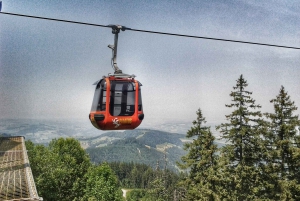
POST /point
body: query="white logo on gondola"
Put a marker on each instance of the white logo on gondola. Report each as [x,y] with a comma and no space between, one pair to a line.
[116,122]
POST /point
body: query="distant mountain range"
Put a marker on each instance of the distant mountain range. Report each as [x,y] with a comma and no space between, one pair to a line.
[152,147]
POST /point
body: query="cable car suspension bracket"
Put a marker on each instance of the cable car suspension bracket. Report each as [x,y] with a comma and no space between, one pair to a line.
[116,30]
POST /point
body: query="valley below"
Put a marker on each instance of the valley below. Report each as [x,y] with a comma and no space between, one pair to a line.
[156,148]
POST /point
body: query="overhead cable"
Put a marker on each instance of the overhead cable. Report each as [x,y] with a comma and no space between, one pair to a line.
[155,32]
[218,39]
[54,19]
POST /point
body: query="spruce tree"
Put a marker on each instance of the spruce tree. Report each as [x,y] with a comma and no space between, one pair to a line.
[201,162]
[283,143]
[243,150]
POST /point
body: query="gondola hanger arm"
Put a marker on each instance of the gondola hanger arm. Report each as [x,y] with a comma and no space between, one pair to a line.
[116,30]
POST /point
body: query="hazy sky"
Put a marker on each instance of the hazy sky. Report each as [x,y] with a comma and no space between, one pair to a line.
[47,68]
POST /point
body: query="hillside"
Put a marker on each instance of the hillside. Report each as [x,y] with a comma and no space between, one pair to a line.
[138,146]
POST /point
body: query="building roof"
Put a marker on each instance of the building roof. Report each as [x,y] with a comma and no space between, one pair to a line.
[16,180]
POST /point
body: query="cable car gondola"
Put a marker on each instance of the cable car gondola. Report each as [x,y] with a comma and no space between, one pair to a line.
[117,103]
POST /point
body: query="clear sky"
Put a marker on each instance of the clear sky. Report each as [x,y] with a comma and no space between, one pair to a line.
[47,68]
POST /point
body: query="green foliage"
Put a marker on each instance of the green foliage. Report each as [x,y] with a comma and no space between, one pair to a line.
[283,133]
[138,146]
[75,163]
[201,161]
[135,195]
[126,150]
[260,161]
[153,184]
[38,155]
[162,187]
[59,169]
[282,167]
[158,190]
[132,175]
[102,184]
[141,176]
[62,171]
[245,146]
[241,129]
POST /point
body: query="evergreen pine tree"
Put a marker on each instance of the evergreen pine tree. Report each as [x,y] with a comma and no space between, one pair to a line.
[244,149]
[201,162]
[283,157]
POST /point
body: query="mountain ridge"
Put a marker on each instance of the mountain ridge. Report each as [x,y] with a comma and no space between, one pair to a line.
[151,147]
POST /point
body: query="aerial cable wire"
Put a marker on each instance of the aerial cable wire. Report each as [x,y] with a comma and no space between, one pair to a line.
[54,19]
[153,32]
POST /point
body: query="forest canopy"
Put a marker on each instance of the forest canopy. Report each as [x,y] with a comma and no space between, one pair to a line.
[260,161]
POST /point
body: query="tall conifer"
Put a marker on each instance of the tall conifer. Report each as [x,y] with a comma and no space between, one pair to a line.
[201,161]
[244,148]
[283,143]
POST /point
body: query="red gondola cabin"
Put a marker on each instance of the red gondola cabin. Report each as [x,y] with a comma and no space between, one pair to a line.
[117,104]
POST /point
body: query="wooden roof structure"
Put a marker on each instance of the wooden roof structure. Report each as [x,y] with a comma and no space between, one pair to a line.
[16,180]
